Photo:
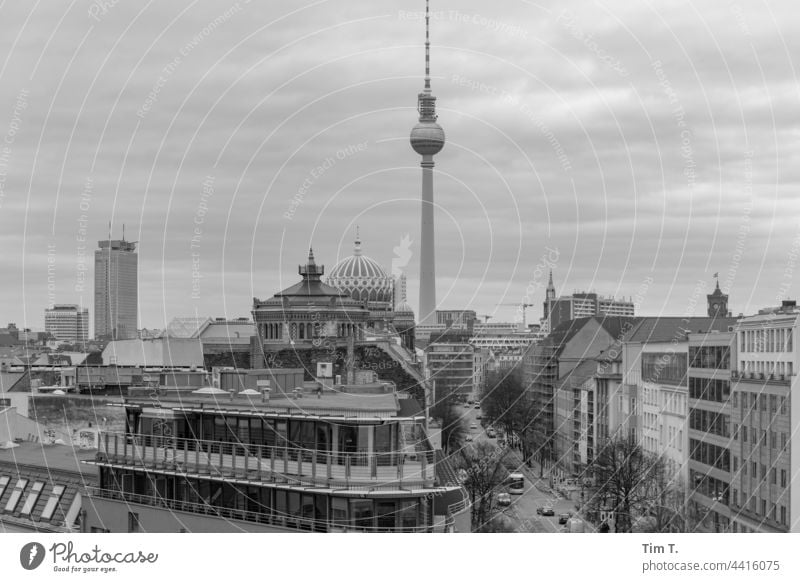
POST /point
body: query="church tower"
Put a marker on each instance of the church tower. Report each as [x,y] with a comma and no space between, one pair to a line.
[717,303]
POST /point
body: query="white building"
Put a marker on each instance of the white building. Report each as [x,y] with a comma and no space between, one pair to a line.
[69,323]
[765,447]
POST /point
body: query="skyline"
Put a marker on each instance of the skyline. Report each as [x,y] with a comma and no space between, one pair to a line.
[579,128]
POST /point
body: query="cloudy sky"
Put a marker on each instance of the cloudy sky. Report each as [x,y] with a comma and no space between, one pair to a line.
[637,148]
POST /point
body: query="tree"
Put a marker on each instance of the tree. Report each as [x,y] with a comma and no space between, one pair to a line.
[624,475]
[667,511]
[484,472]
[453,430]
[506,403]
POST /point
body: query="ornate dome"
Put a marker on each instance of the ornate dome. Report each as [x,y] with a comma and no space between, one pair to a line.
[362,277]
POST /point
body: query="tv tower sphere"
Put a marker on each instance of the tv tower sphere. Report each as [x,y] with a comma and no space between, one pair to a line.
[427,138]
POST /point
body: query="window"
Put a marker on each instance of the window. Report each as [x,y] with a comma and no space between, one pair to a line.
[764,507]
[33,497]
[783,514]
[754,468]
[94,529]
[783,477]
[783,440]
[13,499]
[773,475]
[133,522]
[3,484]
[744,434]
[55,497]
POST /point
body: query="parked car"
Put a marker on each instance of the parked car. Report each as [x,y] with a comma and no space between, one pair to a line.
[473,426]
[503,499]
[491,433]
[480,416]
[477,405]
[547,510]
[563,518]
[469,438]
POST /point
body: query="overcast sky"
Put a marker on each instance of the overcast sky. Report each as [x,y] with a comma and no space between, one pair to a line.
[635,147]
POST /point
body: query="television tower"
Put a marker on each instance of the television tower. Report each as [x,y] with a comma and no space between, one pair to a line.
[427,139]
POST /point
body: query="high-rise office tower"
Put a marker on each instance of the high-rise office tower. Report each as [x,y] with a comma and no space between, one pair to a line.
[116,269]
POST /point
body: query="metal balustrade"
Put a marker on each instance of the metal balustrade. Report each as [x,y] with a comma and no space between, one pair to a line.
[270,517]
[286,464]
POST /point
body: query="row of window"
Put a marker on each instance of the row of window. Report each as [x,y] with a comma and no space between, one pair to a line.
[710,422]
[33,496]
[759,436]
[760,509]
[708,389]
[709,486]
[765,368]
[293,508]
[665,367]
[766,340]
[754,474]
[709,454]
[753,402]
[714,357]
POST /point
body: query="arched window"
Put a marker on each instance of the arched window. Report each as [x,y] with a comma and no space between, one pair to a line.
[302,331]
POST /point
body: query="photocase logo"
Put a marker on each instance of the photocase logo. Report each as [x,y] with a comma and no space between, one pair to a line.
[402,254]
[31,555]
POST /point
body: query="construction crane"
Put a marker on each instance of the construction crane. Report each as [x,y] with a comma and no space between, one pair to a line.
[524,311]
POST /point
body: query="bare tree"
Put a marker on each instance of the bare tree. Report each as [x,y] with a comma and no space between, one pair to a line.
[452,422]
[624,475]
[484,473]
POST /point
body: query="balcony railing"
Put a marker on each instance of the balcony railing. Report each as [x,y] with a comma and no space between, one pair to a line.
[286,464]
[271,518]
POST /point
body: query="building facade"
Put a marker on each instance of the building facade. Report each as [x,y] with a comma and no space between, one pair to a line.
[273,458]
[68,323]
[116,279]
[765,453]
[710,410]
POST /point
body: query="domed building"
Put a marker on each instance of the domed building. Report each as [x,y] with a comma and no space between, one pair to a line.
[308,311]
[366,281]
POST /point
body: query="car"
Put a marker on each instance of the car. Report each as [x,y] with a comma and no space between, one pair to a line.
[491,433]
[547,510]
[477,406]
[469,438]
[473,426]
[563,518]
[503,499]
[480,416]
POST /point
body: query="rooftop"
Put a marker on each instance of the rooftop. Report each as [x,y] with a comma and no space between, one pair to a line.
[49,457]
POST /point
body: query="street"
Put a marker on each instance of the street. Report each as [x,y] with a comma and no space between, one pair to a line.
[522,511]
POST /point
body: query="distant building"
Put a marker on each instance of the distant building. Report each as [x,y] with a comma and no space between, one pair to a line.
[157,353]
[450,365]
[68,323]
[557,310]
[116,272]
[456,318]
